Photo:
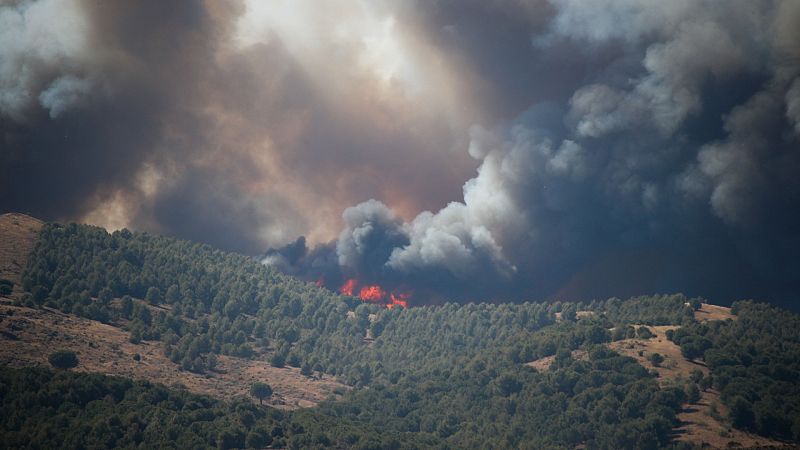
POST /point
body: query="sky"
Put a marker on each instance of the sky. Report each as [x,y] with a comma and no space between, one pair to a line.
[461,150]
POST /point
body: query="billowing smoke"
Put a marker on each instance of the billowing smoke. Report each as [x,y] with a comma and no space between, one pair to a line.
[670,166]
[621,146]
[240,124]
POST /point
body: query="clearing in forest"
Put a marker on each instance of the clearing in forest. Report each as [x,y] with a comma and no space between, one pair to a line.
[28,336]
[18,234]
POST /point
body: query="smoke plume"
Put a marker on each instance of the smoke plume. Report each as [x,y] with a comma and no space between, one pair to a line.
[667,167]
[609,148]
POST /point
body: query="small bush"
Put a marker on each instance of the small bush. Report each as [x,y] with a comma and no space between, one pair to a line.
[6,286]
[277,360]
[656,359]
[63,359]
[644,333]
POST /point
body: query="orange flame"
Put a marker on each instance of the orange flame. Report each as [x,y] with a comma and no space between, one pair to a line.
[348,287]
[374,293]
[398,300]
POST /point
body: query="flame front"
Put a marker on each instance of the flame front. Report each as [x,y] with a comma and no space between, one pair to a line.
[398,300]
[348,287]
[374,293]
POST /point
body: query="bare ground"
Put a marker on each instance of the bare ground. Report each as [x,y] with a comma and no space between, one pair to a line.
[28,336]
[543,364]
[698,425]
[674,366]
[18,234]
[709,312]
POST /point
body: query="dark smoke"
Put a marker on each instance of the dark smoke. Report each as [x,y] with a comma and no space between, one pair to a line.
[621,146]
[667,167]
[170,118]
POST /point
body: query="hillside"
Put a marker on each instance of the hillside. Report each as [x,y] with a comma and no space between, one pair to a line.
[530,375]
[18,234]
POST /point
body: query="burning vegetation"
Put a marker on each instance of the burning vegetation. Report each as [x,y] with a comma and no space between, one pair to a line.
[372,293]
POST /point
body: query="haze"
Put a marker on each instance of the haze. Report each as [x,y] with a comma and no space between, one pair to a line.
[467,150]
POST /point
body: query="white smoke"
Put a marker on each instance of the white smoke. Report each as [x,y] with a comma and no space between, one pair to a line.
[43,56]
[621,165]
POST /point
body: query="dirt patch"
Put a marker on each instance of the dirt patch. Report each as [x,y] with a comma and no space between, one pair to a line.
[674,365]
[698,424]
[543,364]
[709,312]
[702,427]
[28,336]
[18,234]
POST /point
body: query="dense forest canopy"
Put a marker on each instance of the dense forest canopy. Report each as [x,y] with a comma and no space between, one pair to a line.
[434,376]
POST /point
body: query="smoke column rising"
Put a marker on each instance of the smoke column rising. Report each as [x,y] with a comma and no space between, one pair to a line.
[609,148]
[670,167]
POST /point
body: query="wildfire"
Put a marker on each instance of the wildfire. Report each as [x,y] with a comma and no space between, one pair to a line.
[374,293]
[348,286]
[398,300]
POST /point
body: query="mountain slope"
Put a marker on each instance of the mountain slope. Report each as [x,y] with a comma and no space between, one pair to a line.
[215,322]
[18,234]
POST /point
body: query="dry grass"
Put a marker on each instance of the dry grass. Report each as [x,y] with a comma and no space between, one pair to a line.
[18,234]
[27,336]
[543,364]
[709,312]
[698,425]
[674,365]
[30,335]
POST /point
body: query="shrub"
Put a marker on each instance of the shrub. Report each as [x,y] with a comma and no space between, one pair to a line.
[261,391]
[63,359]
[277,360]
[6,286]
[656,359]
[644,333]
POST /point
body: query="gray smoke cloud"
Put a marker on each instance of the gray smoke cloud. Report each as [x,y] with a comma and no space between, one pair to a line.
[668,167]
[613,147]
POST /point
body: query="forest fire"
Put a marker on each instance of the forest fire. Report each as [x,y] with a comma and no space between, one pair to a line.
[374,293]
[348,286]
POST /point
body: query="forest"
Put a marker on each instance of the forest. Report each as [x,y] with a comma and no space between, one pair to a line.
[448,376]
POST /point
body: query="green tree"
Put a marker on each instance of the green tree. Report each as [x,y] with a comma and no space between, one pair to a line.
[570,313]
[105,296]
[278,359]
[692,393]
[153,295]
[261,391]
[644,333]
[63,359]
[126,306]
[136,335]
[173,294]
[257,439]
[656,359]
[6,286]
[741,413]
[306,369]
